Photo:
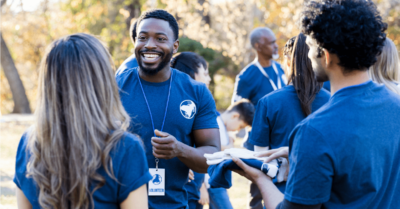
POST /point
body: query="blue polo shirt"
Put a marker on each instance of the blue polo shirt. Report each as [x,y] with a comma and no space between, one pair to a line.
[346,154]
[129,166]
[191,107]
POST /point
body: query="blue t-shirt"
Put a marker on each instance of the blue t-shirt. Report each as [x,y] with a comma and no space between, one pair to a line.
[276,116]
[129,166]
[131,62]
[327,85]
[193,187]
[251,84]
[191,107]
[346,154]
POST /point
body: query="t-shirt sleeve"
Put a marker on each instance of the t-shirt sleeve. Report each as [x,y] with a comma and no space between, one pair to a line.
[134,171]
[21,162]
[206,116]
[260,131]
[241,90]
[311,167]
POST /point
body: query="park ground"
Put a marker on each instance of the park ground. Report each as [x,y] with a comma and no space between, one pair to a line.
[13,126]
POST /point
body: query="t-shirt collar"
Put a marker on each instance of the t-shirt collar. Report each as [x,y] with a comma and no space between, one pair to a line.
[354,89]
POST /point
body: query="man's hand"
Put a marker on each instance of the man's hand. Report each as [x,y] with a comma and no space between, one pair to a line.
[165,146]
[249,172]
[274,154]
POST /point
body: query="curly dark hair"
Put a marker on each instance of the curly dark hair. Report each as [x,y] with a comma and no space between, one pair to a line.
[162,15]
[351,29]
[132,32]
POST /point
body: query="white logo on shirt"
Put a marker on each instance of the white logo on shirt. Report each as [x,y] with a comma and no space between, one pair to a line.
[188,109]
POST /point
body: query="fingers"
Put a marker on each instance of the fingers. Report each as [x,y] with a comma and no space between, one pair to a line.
[165,140]
[274,156]
[191,175]
[159,146]
[240,163]
[266,153]
[160,133]
[162,156]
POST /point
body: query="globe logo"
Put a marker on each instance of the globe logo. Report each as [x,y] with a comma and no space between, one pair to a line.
[157,179]
[188,109]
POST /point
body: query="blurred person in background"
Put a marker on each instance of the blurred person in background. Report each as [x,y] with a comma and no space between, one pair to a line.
[386,70]
[256,80]
[280,111]
[77,154]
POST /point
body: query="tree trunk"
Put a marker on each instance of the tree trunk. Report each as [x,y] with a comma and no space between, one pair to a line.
[21,102]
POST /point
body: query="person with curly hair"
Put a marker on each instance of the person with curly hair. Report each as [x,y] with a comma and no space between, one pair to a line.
[346,154]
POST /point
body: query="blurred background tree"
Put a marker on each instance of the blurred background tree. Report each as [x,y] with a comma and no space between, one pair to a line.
[216,29]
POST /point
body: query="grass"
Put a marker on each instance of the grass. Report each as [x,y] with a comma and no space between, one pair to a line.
[10,134]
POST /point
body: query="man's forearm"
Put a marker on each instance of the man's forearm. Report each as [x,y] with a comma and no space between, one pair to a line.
[194,157]
[270,193]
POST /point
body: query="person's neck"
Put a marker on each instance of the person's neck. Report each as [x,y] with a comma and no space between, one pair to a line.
[264,61]
[225,117]
[340,80]
[160,76]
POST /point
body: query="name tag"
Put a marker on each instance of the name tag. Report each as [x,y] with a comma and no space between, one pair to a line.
[157,183]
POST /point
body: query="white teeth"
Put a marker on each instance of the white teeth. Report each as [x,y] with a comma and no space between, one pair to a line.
[151,55]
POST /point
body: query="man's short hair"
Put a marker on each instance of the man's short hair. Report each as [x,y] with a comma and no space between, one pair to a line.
[245,109]
[132,31]
[162,15]
[257,33]
[188,62]
[351,29]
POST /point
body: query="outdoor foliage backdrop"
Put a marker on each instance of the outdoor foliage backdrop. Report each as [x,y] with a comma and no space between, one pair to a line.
[217,29]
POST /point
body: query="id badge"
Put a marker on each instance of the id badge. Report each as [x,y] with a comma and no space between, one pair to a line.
[157,183]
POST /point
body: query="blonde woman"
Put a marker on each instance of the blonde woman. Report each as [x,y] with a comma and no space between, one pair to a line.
[77,154]
[386,70]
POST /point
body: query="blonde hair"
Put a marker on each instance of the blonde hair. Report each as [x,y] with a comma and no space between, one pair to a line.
[387,67]
[79,120]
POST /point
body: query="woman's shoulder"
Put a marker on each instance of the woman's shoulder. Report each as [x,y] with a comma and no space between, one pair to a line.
[129,141]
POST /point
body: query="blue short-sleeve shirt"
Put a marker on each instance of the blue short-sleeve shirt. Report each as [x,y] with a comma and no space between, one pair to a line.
[251,84]
[191,107]
[277,114]
[346,154]
[129,166]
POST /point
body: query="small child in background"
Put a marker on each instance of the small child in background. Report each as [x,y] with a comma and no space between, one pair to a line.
[237,116]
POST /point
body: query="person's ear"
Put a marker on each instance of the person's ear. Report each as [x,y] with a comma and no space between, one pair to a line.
[257,46]
[176,46]
[235,115]
[326,55]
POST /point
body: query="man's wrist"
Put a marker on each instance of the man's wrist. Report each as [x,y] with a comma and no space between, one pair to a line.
[262,180]
[181,149]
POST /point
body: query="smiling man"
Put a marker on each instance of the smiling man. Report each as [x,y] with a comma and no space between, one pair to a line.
[169,111]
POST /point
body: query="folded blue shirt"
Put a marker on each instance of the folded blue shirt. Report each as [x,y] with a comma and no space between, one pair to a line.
[221,174]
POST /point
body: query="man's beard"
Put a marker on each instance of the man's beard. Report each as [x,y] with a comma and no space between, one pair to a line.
[151,71]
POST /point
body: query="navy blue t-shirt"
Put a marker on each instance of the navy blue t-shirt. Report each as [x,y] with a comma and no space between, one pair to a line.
[327,85]
[191,107]
[346,154]
[131,62]
[129,166]
[276,116]
[251,84]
